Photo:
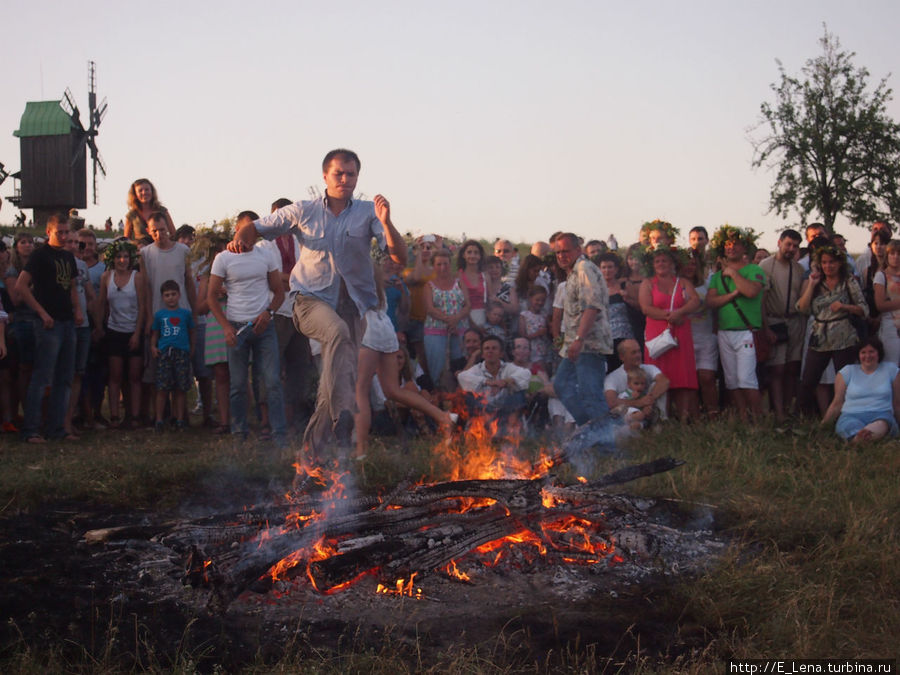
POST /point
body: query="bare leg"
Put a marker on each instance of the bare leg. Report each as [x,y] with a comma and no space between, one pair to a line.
[160,405]
[367,362]
[73,404]
[135,366]
[204,387]
[220,372]
[388,376]
[776,391]
[179,403]
[872,432]
[707,381]
[114,383]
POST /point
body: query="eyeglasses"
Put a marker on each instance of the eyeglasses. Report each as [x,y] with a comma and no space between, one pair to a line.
[502,250]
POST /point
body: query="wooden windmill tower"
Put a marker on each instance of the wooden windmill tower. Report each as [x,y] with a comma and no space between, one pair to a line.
[52,145]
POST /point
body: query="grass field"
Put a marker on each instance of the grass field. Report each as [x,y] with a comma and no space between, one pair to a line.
[813,572]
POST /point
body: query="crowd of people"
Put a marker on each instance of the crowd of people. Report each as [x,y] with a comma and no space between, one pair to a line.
[302,324]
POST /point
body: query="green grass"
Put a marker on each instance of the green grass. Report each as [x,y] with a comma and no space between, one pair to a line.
[813,571]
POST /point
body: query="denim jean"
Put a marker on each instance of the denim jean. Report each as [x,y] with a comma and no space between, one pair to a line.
[264,349]
[579,385]
[54,366]
[436,354]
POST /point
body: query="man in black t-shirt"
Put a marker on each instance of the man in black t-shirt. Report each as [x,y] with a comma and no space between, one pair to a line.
[47,286]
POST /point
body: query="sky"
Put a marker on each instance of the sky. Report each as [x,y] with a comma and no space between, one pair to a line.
[506,118]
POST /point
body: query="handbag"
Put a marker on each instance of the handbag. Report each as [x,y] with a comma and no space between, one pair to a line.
[665,341]
[662,343]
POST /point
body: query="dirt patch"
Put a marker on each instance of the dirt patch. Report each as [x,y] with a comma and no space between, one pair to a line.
[125,599]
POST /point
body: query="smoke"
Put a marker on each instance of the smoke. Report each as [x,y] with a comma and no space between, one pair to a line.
[593,440]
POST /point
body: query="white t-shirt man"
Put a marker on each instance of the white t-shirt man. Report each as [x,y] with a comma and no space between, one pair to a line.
[246,280]
[617,381]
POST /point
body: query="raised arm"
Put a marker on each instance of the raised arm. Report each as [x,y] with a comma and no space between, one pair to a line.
[395,243]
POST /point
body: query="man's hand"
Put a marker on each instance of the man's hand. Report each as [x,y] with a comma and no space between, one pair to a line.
[382,209]
[261,322]
[245,236]
[574,350]
[47,320]
[230,335]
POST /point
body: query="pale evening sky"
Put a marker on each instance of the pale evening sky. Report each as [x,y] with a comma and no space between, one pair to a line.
[508,118]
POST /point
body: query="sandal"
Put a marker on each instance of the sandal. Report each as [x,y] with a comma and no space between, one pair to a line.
[221,430]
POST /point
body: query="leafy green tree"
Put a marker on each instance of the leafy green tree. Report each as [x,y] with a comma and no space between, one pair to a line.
[831,141]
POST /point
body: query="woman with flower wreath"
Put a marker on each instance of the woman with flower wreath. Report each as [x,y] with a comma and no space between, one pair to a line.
[658,233]
[122,304]
[831,297]
[668,301]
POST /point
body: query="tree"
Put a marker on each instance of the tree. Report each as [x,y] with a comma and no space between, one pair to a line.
[835,148]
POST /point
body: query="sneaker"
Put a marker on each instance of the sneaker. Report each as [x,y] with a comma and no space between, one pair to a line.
[10,428]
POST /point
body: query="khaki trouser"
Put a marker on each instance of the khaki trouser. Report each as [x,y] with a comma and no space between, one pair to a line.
[339,334]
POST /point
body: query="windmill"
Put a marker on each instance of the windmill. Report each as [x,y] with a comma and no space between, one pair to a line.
[53,142]
[96,114]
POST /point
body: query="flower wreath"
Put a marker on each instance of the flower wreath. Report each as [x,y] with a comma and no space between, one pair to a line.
[113,249]
[666,227]
[745,236]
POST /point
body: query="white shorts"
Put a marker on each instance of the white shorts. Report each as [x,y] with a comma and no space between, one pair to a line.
[706,351]
[380,334]
[738,356]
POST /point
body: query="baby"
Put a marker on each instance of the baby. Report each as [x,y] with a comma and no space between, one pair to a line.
[636,418]
[495,322]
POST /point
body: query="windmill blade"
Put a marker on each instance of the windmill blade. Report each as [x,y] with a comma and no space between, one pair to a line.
[68,104]
[98,160]
[99,113]
[79,153]
[97,164]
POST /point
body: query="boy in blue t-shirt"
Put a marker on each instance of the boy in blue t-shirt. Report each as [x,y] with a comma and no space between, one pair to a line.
[172,343]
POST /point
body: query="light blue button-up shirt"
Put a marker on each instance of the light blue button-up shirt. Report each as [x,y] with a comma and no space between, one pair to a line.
[331,248]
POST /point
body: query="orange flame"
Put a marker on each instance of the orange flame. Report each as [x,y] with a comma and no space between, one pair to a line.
[403,587]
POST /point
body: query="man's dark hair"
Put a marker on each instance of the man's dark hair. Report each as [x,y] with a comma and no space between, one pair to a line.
[342,154]
[820,226]
[243,215]
[492,338]
[157,216]
[184,231]
[699,228]
[281,203]
[880,235]
[169,285]
[58,218]
[791,234]
[573,239]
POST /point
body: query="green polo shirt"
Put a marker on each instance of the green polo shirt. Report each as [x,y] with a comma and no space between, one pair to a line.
[729,319]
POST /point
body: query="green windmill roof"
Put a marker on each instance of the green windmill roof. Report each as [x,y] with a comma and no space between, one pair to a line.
[44,118]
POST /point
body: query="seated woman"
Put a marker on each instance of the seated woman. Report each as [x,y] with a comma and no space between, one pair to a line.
[866,396]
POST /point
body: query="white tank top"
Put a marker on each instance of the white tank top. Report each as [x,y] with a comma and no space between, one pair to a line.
[123,305]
